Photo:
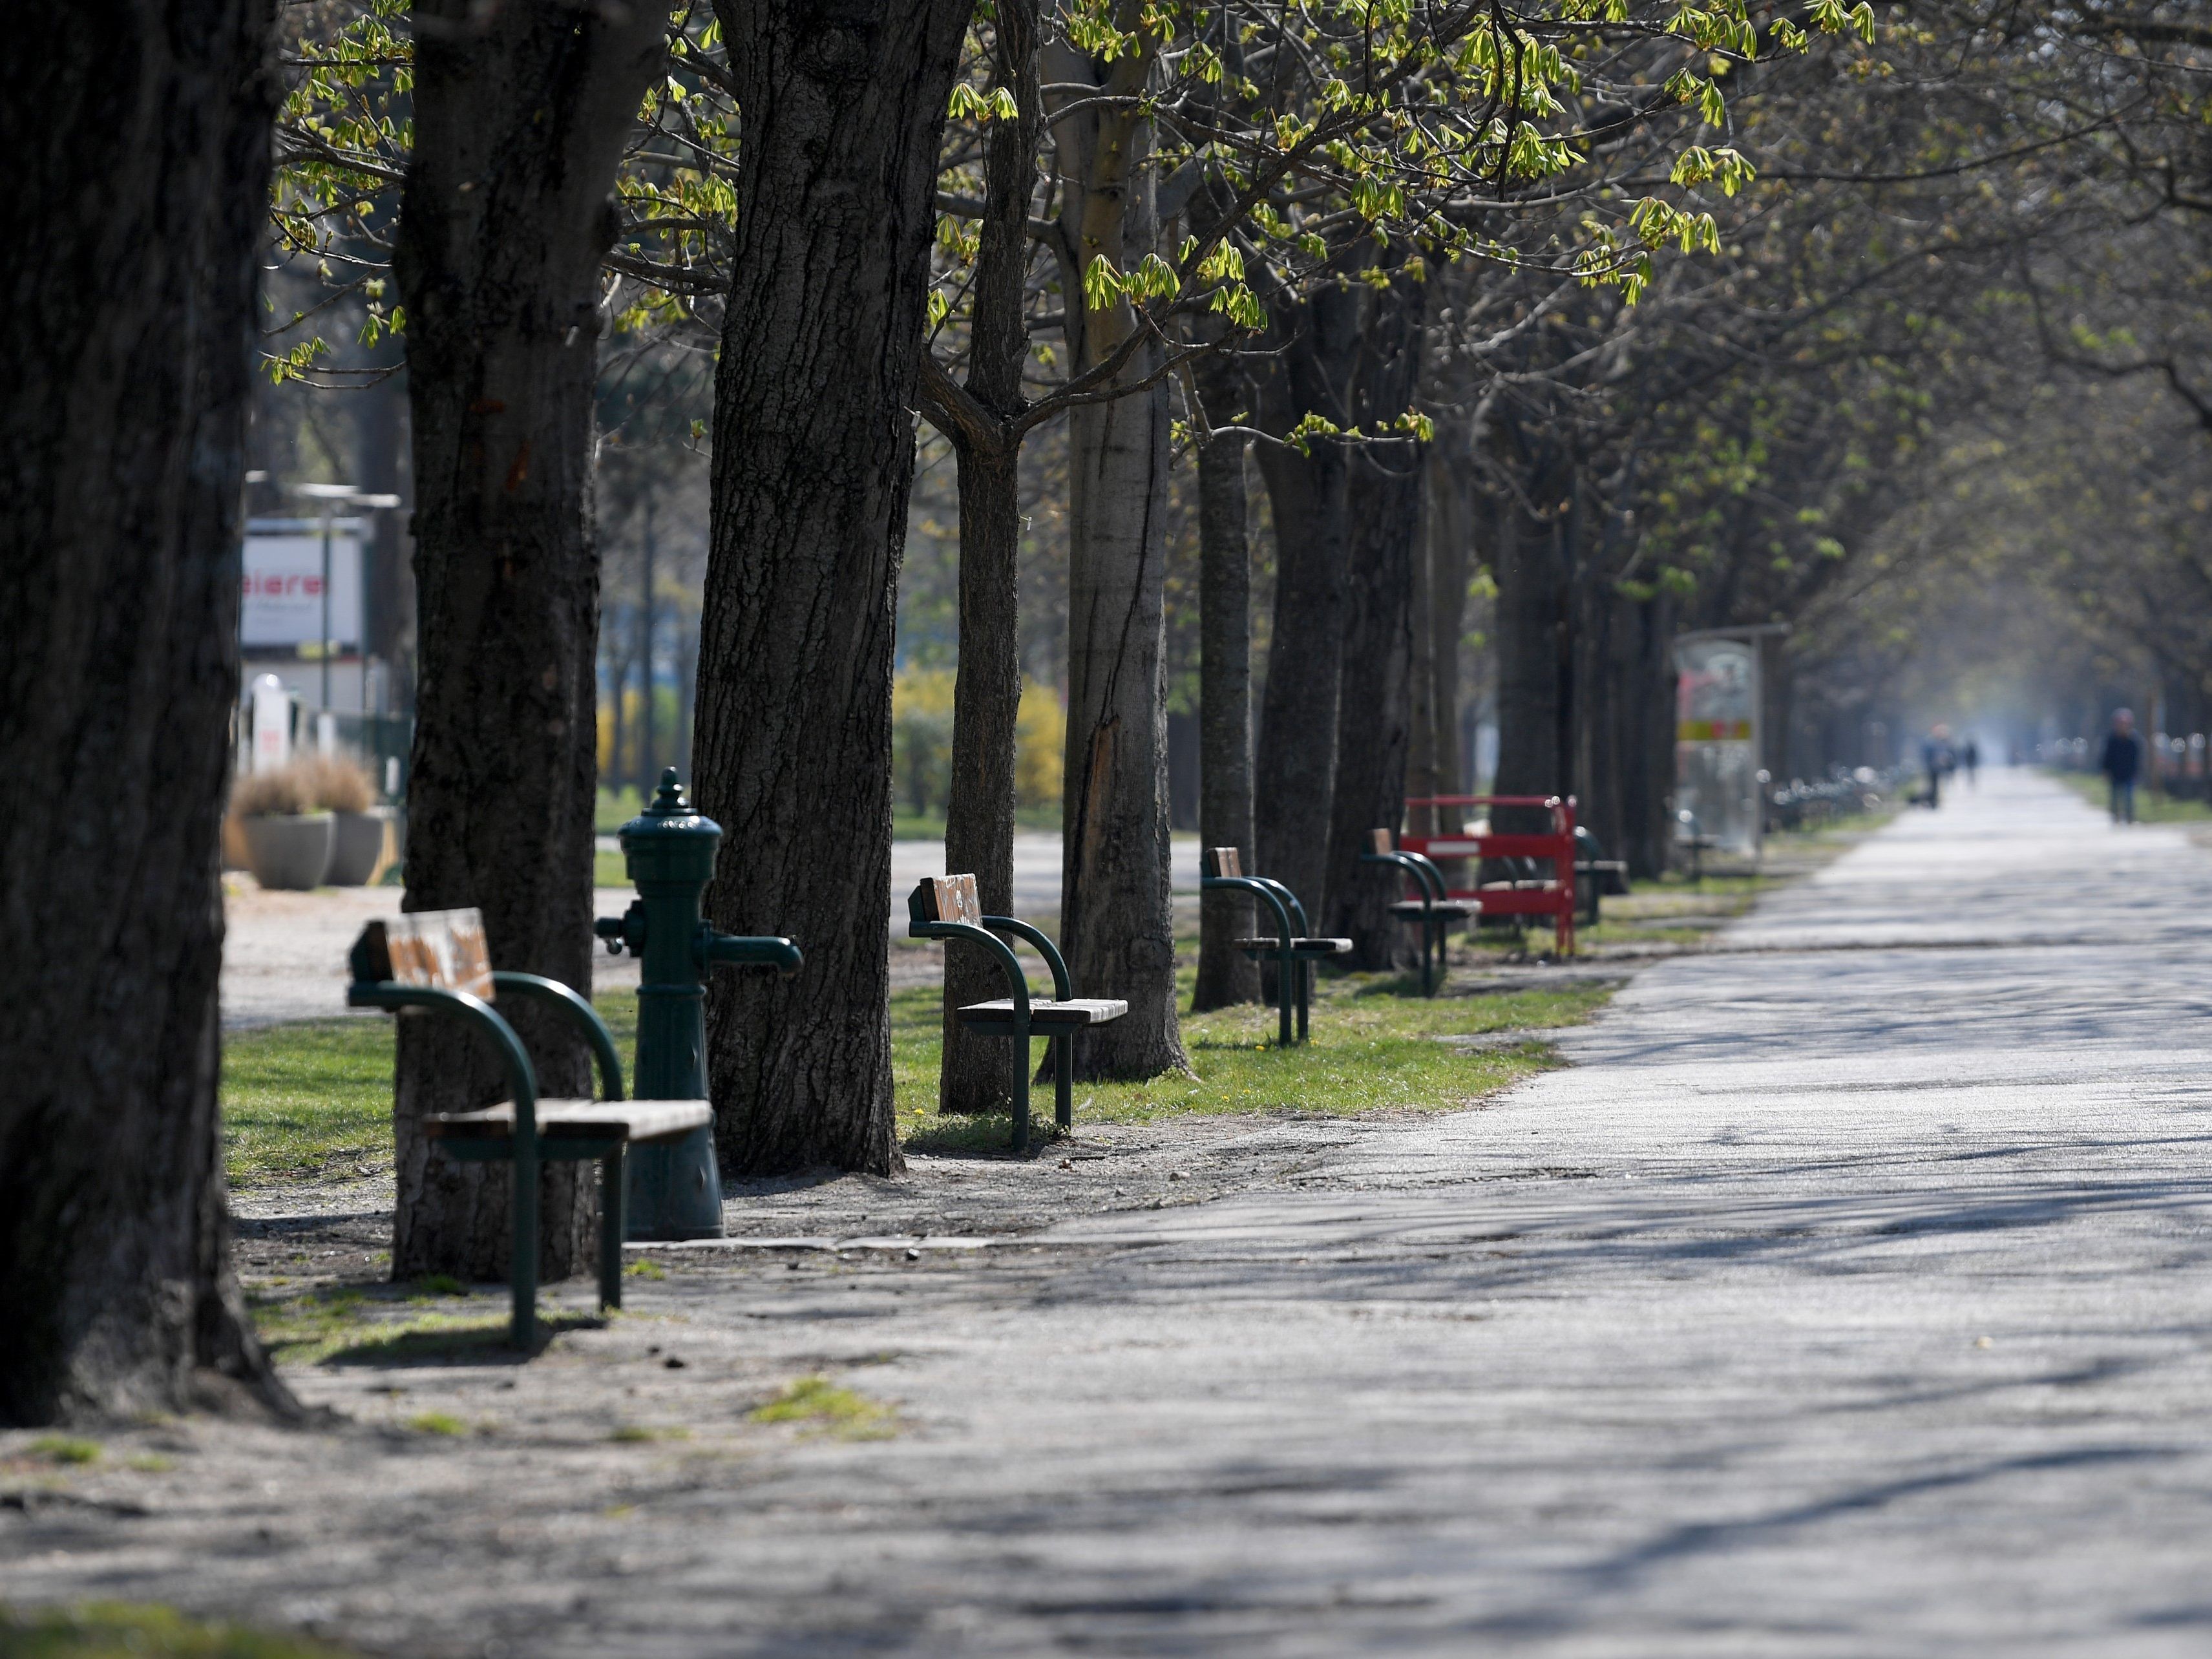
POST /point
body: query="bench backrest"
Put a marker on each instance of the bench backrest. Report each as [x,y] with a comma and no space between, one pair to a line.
[1225,861]
[1380,840]
[442,949]
[956,900]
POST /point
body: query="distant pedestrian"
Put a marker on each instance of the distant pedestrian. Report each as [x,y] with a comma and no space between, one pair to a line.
[2122,760]
[1970,757]
[1935,755]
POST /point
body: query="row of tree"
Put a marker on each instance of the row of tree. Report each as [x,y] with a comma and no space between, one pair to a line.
[1481,294]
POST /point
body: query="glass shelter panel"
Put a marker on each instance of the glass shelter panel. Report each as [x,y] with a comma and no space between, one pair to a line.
[1716,742]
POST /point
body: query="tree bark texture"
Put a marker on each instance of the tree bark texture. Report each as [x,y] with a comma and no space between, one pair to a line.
[1440,584]
[521,115]
[1374,699]
[138,138]
[1225,975]
[1647,835]
[1535,644]
[813,456]
[1117,928]
[1294,771]
[1374,709]
[986,696]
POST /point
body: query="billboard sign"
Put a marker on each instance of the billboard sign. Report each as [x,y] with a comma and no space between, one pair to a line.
[282,597]
[1716,739]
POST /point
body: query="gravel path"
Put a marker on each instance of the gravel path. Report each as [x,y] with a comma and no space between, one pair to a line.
[1847,1300]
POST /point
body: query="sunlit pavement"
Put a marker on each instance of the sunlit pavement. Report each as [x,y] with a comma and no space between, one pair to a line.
[1852,1301]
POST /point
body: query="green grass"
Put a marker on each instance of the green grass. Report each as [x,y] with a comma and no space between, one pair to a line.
[2151,807]
[907,825]
[314,1099]
[115,1630]
[307,1100]
[1373,1048]
[609,870]
[615,808]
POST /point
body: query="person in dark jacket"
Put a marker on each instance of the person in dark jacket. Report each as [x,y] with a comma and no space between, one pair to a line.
[2122,760]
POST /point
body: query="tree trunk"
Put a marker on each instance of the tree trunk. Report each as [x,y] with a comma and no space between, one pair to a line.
[1374,711]
[1294,774]
[1446,548]
[813,456]
[987,695]
[979,813]
[1116,926]
[1225,975]
[1647,834]
[1373,702]
[138,138]
[1534,649]
[521,115]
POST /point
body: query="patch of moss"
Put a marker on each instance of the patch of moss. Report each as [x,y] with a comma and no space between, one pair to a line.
[65,1448]
[830,1409]
[115,1630]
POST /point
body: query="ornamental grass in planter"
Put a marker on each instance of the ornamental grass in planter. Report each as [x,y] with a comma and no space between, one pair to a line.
[340,785]
[288,841]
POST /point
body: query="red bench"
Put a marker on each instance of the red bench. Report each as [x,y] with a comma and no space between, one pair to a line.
[1554,898]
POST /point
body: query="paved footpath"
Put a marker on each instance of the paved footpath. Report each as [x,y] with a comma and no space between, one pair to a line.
[1853,1300]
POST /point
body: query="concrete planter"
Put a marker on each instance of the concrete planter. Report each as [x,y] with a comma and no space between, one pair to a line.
[356,846]
[291,852]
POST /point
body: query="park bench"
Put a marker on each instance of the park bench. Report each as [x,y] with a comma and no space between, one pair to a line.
[1430,910]
[437,960]
[1294,953]
[1595,875]
[947,907]
[1527,894]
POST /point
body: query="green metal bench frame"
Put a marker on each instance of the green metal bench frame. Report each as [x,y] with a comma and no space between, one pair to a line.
[525,1149]
[1291,965]
[1433,921]
[922,922]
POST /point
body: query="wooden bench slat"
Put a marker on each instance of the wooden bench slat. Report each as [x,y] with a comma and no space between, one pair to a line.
[633,1121]
[443,950]
[1304,947]
[957,899]
[1076,1011]
[1460,908]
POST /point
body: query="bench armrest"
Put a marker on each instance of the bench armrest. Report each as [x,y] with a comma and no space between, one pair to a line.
[1018,987]
[1063,987]
[1289,901]
[1265,890]
[1426,875]
[520,1075]
[1426,868]
[579,1014]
